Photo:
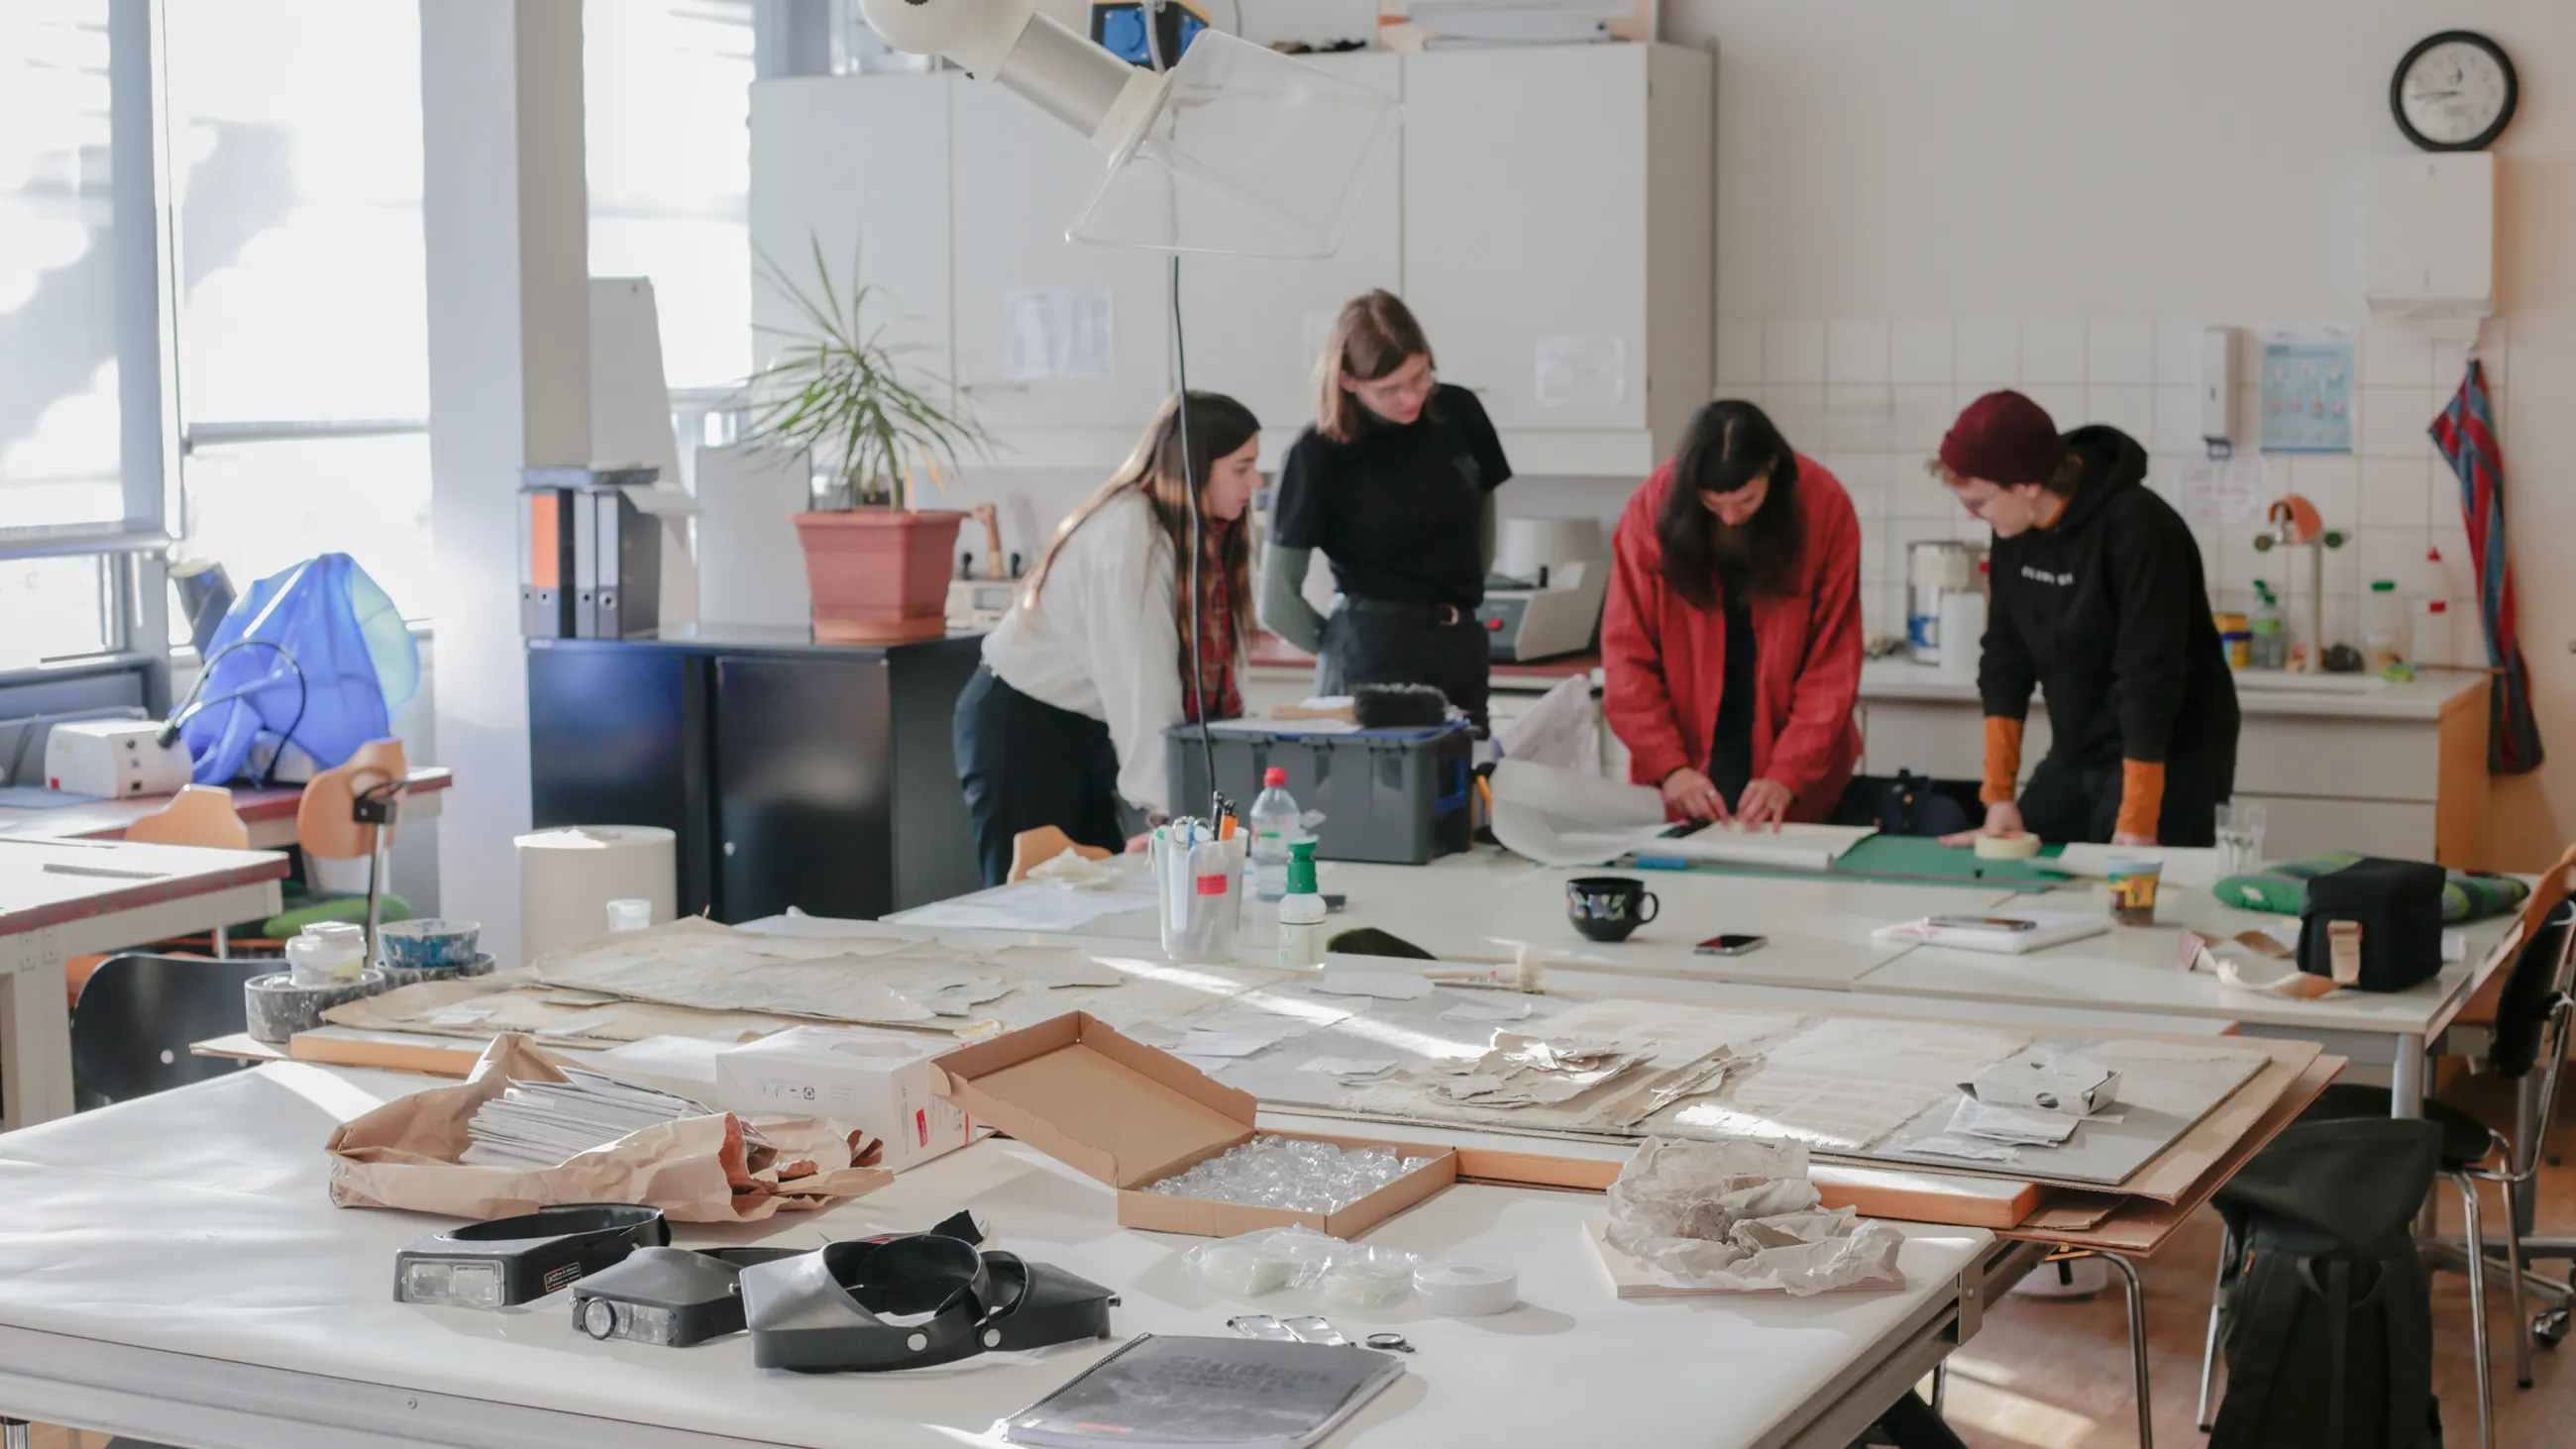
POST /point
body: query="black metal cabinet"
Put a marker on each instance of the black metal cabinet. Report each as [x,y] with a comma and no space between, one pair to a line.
[814,776]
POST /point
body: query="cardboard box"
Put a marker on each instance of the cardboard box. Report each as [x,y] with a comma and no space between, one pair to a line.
[883,1081]
[1130,1115]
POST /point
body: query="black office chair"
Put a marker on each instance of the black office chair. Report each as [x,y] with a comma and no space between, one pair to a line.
[136,1016]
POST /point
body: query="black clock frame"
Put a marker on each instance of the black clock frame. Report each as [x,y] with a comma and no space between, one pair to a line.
[2485,138]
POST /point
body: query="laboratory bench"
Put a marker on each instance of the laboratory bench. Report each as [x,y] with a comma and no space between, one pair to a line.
[794,774]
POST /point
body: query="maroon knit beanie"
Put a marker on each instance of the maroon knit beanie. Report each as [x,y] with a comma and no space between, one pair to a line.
[2003,438]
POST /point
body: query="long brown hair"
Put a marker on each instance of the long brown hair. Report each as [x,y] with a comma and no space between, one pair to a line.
[1218,426]
[1728,445]
[1374,335]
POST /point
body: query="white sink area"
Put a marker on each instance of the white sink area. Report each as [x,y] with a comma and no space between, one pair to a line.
[2281,681]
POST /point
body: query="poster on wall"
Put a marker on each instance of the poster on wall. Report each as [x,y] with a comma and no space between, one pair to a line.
[2223,490]
[1057,333]
[2307,388]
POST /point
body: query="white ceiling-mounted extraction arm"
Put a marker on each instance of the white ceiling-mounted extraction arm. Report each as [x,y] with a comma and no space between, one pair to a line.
[1237,149]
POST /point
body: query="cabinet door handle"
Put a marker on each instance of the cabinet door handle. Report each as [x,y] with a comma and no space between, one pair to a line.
[728,850]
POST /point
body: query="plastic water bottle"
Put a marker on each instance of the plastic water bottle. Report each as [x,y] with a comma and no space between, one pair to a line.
[1274,824]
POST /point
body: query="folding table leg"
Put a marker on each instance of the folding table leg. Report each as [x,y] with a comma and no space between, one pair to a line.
[15,1434]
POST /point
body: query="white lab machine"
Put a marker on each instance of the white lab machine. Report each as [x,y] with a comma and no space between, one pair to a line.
[115,758]
[1544,600]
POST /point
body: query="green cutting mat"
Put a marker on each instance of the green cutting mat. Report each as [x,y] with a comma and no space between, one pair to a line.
[1917,860]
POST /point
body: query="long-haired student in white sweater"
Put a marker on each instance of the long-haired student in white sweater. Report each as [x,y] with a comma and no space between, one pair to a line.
[1066,716]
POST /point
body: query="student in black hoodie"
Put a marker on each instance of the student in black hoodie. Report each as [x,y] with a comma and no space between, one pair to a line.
[2099,601]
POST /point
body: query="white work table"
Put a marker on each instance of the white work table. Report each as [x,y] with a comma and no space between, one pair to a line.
[1477,907]
[64,898]
[1483,905]
[172,1269]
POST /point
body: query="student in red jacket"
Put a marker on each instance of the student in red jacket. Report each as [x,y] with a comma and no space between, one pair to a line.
[1732,638]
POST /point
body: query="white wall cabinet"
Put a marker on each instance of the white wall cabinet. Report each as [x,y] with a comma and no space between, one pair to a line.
[1256,324]
[1558,216]
[1549,214]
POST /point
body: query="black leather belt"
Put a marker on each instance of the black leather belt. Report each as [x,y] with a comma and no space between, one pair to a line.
[1448,616]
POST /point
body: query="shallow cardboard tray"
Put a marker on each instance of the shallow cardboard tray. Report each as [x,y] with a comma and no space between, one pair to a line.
[1128,1115]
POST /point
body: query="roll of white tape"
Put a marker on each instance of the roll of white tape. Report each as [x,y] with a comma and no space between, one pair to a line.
[2007,847]
[1467,1290]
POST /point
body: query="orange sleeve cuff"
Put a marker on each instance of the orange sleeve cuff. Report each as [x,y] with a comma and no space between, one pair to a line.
[2142,796]
[2003,760]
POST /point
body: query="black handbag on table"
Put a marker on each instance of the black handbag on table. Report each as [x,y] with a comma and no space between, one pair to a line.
[2375,925]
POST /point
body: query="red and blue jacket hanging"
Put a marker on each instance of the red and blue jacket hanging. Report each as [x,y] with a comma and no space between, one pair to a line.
[2465,432]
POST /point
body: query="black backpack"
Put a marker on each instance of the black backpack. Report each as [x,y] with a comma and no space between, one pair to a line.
[2329,1313]
[1910,804]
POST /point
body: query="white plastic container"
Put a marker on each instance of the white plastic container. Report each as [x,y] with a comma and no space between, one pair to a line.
[327,953]
[2385,628]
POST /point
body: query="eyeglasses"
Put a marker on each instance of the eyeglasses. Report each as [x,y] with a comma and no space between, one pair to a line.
[1940,473]
[1388,390]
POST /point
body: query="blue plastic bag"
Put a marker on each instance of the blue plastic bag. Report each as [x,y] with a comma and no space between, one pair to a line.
[354,668]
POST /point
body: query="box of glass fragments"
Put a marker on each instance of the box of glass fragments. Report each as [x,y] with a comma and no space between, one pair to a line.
[1178,1145]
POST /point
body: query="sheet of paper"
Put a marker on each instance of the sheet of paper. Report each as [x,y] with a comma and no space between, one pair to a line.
[2048,928]
[578,1023]
[1350,1068]
[2010,1124]
[1789,847]
[1966,1149]
[1029,908]
[1055,333]
[1385,985]
[1582,371]
[1566,817]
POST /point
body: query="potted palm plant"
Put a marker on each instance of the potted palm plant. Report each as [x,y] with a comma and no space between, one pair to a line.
[842,396]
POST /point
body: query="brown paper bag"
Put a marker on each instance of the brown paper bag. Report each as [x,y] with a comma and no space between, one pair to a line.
[697,1170]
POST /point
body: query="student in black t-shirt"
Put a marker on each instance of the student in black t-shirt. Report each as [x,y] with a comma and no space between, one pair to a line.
[1395,483]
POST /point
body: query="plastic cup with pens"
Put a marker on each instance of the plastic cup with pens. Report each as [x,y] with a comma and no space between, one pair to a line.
[1198,881]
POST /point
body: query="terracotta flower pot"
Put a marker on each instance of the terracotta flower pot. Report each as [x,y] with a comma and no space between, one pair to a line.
[879,576]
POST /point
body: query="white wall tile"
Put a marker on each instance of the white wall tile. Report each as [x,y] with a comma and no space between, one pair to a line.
[2451,364]
[2131,408]
[1859,417]
[2177,424]
[2178,351]
[2394,356]
[1739,352]
[2394,491]
[1913,495]
[2393,551]
[1797,409]
[1922,351]
[2343,568]
[2052,351]
[2120,350]
[2459,566]
[2063,402]
[1793,352]
[2333,484]
[1873,554]
[2238,565]
[2394,420]
[2494,349]
[1988,354]
[1924,413]
[1856,351]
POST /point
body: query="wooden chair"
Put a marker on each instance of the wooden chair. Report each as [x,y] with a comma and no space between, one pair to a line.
[199,815]
[1033,848]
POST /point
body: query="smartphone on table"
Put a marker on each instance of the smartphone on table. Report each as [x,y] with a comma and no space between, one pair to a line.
[1731,945]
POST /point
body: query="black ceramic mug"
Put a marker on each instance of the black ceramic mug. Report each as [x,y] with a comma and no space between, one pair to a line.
[1609,907]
